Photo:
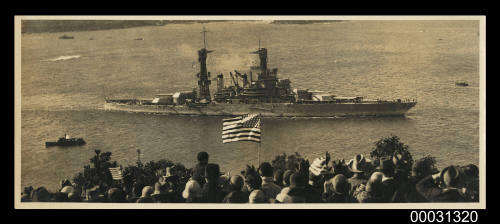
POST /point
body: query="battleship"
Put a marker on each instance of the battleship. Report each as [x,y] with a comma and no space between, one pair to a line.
[264,94]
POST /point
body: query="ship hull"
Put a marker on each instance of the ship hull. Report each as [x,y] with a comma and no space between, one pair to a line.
[272,109]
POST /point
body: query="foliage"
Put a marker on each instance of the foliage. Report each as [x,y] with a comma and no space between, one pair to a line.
[284,162]
[96,173]
[388,148]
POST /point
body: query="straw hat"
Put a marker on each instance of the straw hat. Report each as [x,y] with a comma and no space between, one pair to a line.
[319,166]
[450,176]
[168,172]
[356,164]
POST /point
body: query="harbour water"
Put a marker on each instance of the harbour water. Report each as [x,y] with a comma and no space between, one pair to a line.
[64,83]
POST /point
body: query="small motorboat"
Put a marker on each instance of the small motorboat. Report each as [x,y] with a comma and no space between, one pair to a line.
[66,141]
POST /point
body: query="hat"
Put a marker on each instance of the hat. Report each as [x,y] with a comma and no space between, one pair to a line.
[146,191]
[470,170]
[356,164]
[257,196]
[450,176]
[319,166]
[40,195]
[67,189]
[192,189]
[374,182]
[114,194]
[168,172]
[236,182]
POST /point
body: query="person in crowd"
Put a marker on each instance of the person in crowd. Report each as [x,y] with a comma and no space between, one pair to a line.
[357,166]
[131,194]
[199,168]
[286,177]
[317,172]
[336,190]
[296,192]
[386,167]
[252,178]
[257,196]
[116,195]
[192,192]
[26,195]
[268,186]
[225,184]
[40,195]
[286,186]
[146,195]
[211,191]
[236,195]
[406,190]
[452,191]
[471,181]
[278,177]
[74,197]
[169,186]
[373,191]
[65,193]
[311,193]
[60,197]
[158,195]
[65,183]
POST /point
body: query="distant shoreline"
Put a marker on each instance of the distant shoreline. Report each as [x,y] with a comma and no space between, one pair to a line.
[54,26]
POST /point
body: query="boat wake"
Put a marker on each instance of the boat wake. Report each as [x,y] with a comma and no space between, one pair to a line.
[62,58]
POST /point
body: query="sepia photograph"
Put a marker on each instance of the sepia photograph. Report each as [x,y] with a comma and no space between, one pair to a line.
[342,112]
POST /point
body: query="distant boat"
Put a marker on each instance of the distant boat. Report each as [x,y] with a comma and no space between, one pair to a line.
[461,84]
[139,38]
[66,141]
[66,37]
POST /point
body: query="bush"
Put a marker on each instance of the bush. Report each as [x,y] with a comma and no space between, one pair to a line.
[387,147]
[283,162]
[96,173]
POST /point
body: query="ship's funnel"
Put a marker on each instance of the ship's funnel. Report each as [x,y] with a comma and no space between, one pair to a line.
[262,52]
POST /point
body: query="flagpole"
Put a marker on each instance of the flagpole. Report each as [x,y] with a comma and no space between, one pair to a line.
[260,141]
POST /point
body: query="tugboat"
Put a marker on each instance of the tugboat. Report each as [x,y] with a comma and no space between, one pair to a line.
[66,37]
[461,84]
[66,141]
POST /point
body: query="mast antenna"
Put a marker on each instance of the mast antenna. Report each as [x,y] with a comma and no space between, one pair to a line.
[204,40]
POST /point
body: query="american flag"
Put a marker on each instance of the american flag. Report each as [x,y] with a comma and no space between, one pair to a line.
[116,173]
[242,128]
